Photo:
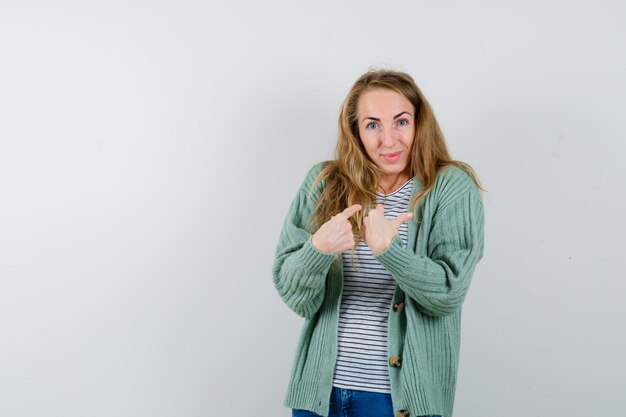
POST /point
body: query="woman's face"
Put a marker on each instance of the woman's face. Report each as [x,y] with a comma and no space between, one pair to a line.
[387,129]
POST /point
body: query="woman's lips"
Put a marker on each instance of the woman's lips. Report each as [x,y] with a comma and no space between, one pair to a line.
[392,157]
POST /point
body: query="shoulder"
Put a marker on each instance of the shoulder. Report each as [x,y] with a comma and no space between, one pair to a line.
[315,171]
[452,183]
[456,174]
[307,196]
[311,178]
[312,186]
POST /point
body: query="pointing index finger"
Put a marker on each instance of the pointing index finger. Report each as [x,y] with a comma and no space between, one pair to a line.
[350,211]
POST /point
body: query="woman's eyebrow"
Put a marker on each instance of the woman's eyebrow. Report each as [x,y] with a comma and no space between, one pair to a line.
[400,114]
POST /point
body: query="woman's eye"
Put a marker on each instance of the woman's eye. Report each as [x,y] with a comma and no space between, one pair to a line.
[372,125]
[403,122]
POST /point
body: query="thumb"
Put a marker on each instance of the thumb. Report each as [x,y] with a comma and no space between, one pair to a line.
[401,218]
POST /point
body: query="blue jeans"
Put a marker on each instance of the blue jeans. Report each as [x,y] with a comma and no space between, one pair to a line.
[351,403]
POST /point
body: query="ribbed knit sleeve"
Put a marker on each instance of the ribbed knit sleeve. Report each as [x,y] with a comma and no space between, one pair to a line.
[300,270]
[439,281]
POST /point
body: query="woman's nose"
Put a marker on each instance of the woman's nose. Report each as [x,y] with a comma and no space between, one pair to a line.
[388,139]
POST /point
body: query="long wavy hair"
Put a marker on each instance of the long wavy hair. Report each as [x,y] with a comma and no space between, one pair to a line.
[352,177]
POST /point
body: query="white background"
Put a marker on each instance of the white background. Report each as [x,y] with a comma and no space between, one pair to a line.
[149,151]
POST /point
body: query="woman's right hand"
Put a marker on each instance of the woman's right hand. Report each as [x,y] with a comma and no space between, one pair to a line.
[335,236]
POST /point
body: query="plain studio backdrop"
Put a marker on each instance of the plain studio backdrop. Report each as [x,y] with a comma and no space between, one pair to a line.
[149,152]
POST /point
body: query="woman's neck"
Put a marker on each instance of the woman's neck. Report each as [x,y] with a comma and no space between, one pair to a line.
[390,183]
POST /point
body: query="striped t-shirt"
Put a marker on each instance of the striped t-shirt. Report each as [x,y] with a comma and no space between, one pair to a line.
[367,291]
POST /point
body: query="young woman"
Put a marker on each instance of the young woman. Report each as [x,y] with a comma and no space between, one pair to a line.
[377,253]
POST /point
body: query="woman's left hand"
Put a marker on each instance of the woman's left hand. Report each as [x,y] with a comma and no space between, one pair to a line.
[380,231]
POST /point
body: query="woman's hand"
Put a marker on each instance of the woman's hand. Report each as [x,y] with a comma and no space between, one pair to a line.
[379,231]
[335,236]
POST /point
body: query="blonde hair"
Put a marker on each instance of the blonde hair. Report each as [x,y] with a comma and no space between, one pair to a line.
[352,178]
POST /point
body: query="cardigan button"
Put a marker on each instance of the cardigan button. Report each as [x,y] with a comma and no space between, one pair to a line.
[398,307]
[402,413]
[395,361]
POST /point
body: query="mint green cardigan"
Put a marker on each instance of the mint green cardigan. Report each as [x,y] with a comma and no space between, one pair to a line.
[433,274]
